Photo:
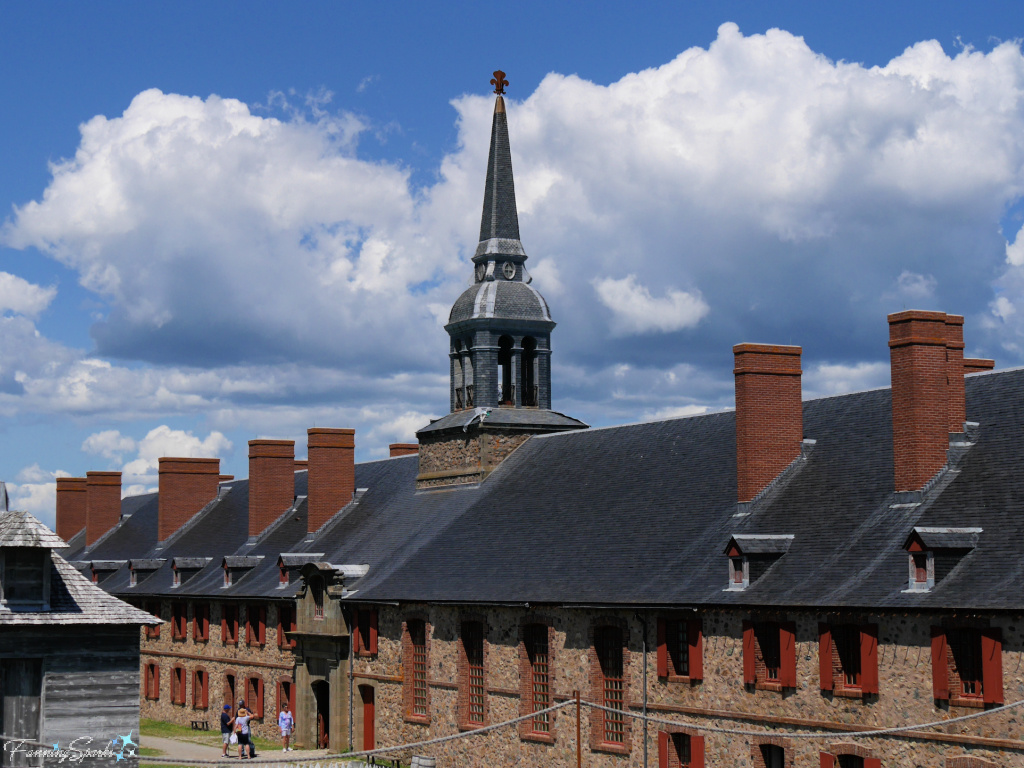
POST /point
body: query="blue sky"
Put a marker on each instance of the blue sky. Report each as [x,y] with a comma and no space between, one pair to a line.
[237,220]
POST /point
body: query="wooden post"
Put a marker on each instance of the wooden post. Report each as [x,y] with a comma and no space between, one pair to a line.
[579,746]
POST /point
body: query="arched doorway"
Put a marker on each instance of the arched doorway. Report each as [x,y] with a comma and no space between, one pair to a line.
[322,696]
[368,696]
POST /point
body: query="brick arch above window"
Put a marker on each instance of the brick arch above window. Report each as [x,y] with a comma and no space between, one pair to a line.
[969,761]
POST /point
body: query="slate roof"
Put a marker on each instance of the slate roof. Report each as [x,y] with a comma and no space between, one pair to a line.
[506,418]
[641,515]
[500,298]
[20,529]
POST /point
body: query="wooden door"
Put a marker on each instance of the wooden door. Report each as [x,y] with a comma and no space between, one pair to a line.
[367,694]
[21,681]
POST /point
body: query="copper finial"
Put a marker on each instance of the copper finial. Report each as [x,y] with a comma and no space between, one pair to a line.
[499,82]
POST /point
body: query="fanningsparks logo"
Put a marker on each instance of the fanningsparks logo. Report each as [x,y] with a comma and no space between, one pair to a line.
[118,748]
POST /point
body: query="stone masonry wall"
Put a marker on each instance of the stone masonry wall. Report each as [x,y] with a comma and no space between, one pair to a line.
[269,662]
[720,699]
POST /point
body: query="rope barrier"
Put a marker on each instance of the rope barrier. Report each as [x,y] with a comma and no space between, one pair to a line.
[372,752]
[815,734]
[798,735]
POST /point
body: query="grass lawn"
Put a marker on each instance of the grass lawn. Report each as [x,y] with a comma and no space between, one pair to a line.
[150,752]
[207,738]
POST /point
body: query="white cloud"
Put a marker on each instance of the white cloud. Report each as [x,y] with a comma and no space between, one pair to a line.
[110,444]
[286,278]
[35,491]
[140,474]
[21,296]
[636,311]
[824,379]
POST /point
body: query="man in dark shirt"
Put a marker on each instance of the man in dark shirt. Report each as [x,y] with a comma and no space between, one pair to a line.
[226,723]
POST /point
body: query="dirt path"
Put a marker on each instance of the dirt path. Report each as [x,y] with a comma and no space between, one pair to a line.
[189,750]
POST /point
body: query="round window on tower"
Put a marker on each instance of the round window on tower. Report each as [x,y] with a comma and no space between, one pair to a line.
[481,270]
[509,269]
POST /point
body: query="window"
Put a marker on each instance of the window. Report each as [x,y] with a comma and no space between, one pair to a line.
[200,689]
[680,750]
[769,655]
[285,692]
[316,586]
[229,624]
[179,621]
[154,608]
[680,649]
[178,684]
[152,681]
[506,386]
[230,692]
[847,640]
[536,682]
[227,576]
[201,622]
[772,756]
[472,687]
[255,625]
[24,572]
[283,576]
[609,728]
[967,665]
[530,390]
[415,653]
[366,631]
[254,696]
[849,759]
[848,657]
[285,623]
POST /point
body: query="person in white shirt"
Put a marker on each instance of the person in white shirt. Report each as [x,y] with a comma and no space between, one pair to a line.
[286,723]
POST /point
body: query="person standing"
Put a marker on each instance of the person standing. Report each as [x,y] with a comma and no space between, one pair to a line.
[286,723]
[242,730]
[227,723]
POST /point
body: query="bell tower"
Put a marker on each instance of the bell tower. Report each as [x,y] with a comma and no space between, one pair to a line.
[500,348]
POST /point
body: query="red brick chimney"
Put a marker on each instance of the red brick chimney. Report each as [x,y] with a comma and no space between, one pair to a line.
[226,478]
[70,506]
[975,364]
[957,404]
[921,395]
[186,486]
[403,449]
[102,503]
[301,464]
[769,414]
[271,481]
[332,473]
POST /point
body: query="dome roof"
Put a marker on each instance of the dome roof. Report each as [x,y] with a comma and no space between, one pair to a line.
[504,299]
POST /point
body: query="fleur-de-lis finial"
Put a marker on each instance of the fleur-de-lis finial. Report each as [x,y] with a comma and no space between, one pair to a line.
[499,82]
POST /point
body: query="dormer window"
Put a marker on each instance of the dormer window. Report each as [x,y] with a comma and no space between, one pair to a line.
[184,568]
[289,563]
[142,569]
[24,571]
[751,555]
[934,552]
[236,566]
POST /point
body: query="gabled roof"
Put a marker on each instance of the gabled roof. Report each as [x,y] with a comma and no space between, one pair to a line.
[944,538]
[20,529]
[761,544]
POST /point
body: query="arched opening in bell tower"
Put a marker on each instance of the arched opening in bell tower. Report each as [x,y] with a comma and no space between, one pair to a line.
[506,387]
[530,371]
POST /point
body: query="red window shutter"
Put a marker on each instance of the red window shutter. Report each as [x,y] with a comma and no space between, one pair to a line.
[263,625]
[259,698]
[663,738]
[940,666]
[662,649]
[828,760]
[357,636]
[787,654]
[156,682]
[992,665]
[373,631]
[869,658]
[872,762]
[825,659]
[695,641]
[224,624]
[696,752]
[749,651]
[206,690]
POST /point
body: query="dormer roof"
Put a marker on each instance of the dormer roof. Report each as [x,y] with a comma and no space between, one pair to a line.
[21,529]
[242,561]
[189,563]
[943,538]
[759,544]
[146,564]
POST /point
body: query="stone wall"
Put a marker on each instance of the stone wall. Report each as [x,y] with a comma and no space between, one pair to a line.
[720,699]
[460,458]
[268,662]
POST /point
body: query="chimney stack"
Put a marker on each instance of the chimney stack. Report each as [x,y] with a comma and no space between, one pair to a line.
[301,464]
[769,414]
[71,495]
[924,403]
[403,449]
[102,504]
[976,364]
[271,481]
[186,486]
[332,473]
[956,406]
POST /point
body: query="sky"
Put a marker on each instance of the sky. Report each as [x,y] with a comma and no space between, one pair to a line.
[239,220]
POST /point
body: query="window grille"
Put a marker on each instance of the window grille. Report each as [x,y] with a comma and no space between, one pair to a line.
[678,648]
[847,641]
[768,642]
[966,647]
[317,587]
[536,637]
[418,638]
[473,645]
[608,642]
[681,744]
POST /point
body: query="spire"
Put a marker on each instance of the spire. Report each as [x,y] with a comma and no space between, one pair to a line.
[500,220]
